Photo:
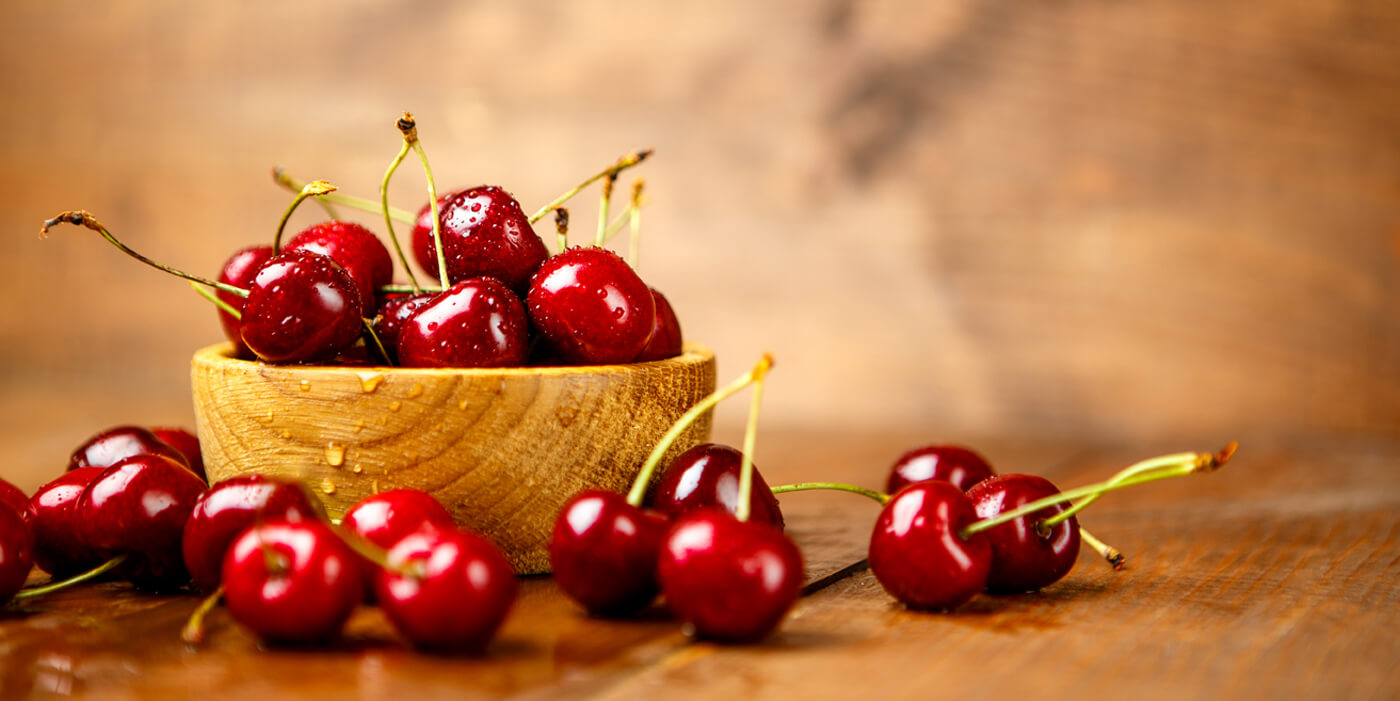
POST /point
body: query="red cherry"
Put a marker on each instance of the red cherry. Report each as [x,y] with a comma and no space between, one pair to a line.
[445,588]
[591,307]
[301,307]
[731,580]
[59,545]
[474,323]
[1022,558]
[484,234]
[230,507]
[16,553]
[355,249]
[291,581]
[16,500]
[138,508]
[666,340]
[239,272]
[950,463]
[603,553]
[185,442]
[708,476]
[388,517]
[917,554]
[118,443]
[393,312]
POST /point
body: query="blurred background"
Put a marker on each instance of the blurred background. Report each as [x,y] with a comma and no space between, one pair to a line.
[1128,221]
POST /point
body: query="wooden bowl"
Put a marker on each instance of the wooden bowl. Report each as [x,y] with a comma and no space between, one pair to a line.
[502,449]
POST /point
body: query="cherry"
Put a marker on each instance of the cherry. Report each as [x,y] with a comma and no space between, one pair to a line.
[475,323]
[446,589]
[1024,558]
[393,312]
[917,552]
[301,307]
[185,442]
[227,509]
[950,463]
[59,547]
[591,306]
[16,553]
[17,501]
[708,476]
[732,580]
[603,552]
[353,248]
[484,234]
[118,443]
[666,340]
[138,508]
[238,271]
[291,581]
[385,518]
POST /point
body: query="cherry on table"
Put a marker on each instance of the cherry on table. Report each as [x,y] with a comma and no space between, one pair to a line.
[227,509]
[475,323]
[950,463]
[446,589]
[238,271]
[301,307]
[182,440]
[708,476]
[16,553]
[484,234]
[120,442]
[603,552]
[291,581]
[354,248]
[385,518]
[666,340]
[591,307]
[60,546]
[16,500]
[917,553]
[1024,558]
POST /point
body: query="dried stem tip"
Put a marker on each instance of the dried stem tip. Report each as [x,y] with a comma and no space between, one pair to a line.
[561,220]
[409,127]
[77,217]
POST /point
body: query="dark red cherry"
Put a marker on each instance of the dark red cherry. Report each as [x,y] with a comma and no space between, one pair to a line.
[475,323]
[185,442]
[301,307]
[666,341]
[118,443]
[239,272]
[1024,559]
[59,545]
[731,580]
[388,517]
[138,508]
[355,249]
[708,476]
[591,307]
[291,581]
[227,509]
[917,554]
[16,500]
[603,552]
[16,553]
[484,234]
[446,589]
[950,463]
[392,314]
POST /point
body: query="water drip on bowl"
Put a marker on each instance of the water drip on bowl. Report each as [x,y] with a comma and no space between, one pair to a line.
[370,381]
[335,454]
[327,486]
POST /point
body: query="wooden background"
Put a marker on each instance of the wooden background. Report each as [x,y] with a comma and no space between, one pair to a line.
[1131,221]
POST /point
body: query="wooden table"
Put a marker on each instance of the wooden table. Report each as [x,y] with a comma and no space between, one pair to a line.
[1278,576]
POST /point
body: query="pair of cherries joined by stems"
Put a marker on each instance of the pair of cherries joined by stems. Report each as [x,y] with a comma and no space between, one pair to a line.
[329,287]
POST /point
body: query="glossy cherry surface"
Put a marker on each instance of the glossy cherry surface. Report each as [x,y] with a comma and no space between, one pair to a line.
[60,547]
[16,553]
[731,580]
[239,271]
[291,581]
[1022,558]
[446,589]
[16,500]
[475,323]
[138,508]
[392,314]
[387,517]
[666,340]
[228,508]
[182,440]
[603,552]
[484,234]
[950,463]
[708,476]
[591,307]
[917,554]
[354,248]
[301,307]
[120,442]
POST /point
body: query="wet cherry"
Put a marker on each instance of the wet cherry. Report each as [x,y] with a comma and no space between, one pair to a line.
[387,517]
[185,442]
[239,271]
[16,553]
[301,307]
[917,553]
[591,307]
[446,589]
[16,500]
[291,581]
[59,545]
[354,248]
[708,476]
[475,323]
[603,552]
[484,234]
[120,442]
[950,463]
[1024,559]
[666,340]
[393,312]
[230,507]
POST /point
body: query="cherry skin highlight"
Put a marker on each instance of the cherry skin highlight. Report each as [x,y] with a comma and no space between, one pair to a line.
[120,442]
[446,589]
[16,553]
[1022,558]
[666,340]
[60,545]
[707,476]
[917,554]
[355,249]
[230,507]
[239,271]
[603,553]
[732,580]
[138,508]
[474,323]
[591,307]
[949,463]
[301,307]
[291,581]
[484,234]
[185,442]
[16,500]
[386,518]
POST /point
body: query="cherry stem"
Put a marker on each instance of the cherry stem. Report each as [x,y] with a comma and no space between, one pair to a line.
[378,344]
[403,289]
[97,571]
[639,485]
[634,221]
[750,440]
[379,556]
[363,204]
[1106,551]
[1138,468]
[280,177]
[602,236]
[880,497]
[410,136]
[313,188]
[561,226]
[1202,462]
[622,164]
[193,632]
[83,218]
[221,304]
[406,127]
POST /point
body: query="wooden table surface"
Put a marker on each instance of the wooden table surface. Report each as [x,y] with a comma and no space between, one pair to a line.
[1277,576]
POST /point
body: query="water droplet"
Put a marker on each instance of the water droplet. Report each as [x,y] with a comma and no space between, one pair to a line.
[619,312]
[305,385]
[370,381]
[327,486]
[286,433]
[415,391]
[335,454]
[357,469]
[269,416]
[394,405]
[463,404]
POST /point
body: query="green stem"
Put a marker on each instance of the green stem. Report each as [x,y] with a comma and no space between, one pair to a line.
[437,220]
[313,188]
[1106,551]
[378,344]
[1130,471]
[604,204]
[634,221]
[880,497]
[384,204]
[85,219]
[97,571]
[622,164]
[741,512]
[281,178]
[404,289]
[221,304]
[363,204]
[193,632]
